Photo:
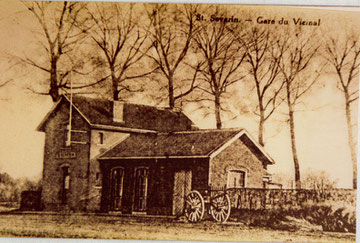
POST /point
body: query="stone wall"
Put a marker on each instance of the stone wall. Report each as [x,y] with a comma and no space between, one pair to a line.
[258,199]
[236,157]
[57,155]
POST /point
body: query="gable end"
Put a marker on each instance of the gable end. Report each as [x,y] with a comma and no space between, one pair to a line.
[55,108]
[255,148]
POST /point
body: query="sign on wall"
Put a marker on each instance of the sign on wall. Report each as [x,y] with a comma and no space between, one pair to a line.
[66,154]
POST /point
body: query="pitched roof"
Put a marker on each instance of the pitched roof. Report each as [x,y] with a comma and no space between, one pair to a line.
[100,112]
[184,144]
[188,144]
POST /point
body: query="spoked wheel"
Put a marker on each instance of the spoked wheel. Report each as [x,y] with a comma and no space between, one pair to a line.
[194,207]
[220,207]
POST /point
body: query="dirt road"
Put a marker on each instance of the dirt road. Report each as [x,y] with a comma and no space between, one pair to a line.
[115,227]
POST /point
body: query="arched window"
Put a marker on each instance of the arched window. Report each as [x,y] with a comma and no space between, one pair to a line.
[141,187]
[117,184]
[65,183]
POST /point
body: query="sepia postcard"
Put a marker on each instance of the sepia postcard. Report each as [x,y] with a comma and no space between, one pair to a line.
[187,122]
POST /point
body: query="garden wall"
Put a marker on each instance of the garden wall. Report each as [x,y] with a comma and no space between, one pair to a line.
[259,198]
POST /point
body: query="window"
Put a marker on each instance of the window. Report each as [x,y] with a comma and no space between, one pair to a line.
[97,179]
[236,179]
[65,183]
[141,185]
[117,181]
[66,176]
[101,138]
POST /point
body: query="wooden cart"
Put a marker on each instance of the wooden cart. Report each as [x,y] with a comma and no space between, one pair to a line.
[215,202]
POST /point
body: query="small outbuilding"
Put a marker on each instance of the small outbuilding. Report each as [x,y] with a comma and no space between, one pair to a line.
[102,155]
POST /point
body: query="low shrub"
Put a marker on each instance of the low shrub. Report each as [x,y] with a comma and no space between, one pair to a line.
[331,216]
[263,218]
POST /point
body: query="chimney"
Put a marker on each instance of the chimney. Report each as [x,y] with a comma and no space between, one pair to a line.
[118,111]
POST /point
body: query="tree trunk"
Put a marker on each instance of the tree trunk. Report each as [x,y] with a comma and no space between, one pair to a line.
[54,92]
[114,82]
[292,135]
[261,126]
[293,148]
[115,91]
[352,145]
[115,94]
[171,91]
[54,87]
[217,111]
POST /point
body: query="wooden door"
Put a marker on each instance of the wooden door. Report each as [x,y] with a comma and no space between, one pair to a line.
[117,181]
[182,186]
[141,189]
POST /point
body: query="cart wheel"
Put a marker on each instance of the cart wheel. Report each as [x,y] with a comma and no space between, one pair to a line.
[220,208]
[194,207]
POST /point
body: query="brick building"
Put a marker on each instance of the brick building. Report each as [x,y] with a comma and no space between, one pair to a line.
[139,159]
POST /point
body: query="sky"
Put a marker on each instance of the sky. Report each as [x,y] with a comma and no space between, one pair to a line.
[320,125]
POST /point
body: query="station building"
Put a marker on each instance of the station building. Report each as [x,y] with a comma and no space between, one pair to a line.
[140,159]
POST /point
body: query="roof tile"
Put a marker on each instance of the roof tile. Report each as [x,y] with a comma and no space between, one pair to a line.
[100,111]
[196,143]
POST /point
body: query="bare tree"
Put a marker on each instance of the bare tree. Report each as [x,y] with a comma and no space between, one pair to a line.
[283,178]
[299,52]
[59,38]
[263,59]
[318,180]
[221,56]
[171,33]
[3,83]
[344,58]
[116,32]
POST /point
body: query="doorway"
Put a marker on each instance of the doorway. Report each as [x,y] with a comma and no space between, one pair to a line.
[182,186]
[117,181]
